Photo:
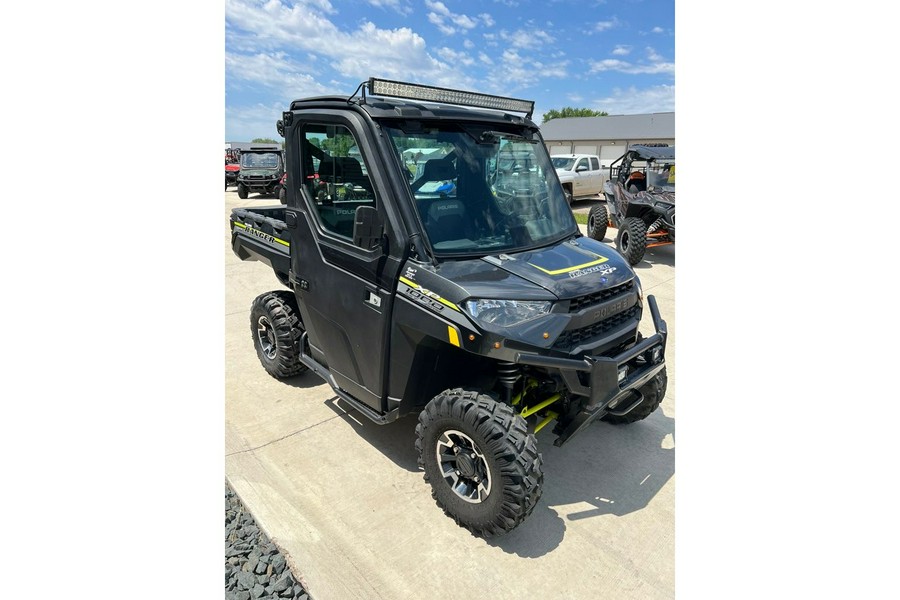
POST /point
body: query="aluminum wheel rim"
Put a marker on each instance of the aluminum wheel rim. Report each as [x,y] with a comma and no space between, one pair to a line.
[463,466]
[265,333]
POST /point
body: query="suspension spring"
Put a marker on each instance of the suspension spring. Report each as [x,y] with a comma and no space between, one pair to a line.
[656,225]
[508,373]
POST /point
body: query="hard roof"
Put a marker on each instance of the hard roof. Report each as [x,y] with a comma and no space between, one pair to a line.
[654,152]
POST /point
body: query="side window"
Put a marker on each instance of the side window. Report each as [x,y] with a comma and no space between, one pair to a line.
[581,163]
[334,176]
[595,163]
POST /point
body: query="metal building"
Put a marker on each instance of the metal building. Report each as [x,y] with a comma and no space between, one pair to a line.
[608,137]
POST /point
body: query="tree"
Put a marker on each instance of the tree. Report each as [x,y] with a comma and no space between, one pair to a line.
[565,113]
[264,141]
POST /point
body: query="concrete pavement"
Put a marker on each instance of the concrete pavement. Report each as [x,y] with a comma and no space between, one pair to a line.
[343,498]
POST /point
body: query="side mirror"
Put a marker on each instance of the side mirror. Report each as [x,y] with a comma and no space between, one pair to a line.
[368,230]
[279,125]
[581,168]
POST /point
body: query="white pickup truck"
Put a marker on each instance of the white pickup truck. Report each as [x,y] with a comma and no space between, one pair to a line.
[579,174]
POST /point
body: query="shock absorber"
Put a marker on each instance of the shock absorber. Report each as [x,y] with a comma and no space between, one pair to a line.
[656,225]
[507,374]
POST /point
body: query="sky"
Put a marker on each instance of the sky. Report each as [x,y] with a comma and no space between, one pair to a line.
[616,56]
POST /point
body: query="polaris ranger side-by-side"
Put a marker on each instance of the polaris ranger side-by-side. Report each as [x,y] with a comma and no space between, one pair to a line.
[448,289]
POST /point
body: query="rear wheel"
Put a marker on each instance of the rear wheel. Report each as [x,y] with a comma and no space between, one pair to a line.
[282,195]
[242,191]
[483,465]
[598,221]
[276,328]
[653,391]
[631,241]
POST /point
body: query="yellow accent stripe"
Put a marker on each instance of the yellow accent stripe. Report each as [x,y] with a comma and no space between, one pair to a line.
[430,294]
[454,337]
[569,269]
[280,241]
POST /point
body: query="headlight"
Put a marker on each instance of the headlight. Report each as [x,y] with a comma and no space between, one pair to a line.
[506,312]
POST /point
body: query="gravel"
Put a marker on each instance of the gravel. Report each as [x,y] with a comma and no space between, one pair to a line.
[254,566]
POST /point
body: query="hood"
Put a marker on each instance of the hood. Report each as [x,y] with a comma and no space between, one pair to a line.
[567,270]
[571,269]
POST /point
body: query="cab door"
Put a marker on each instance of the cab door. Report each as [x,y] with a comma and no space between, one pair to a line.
[581,176]
[344,291]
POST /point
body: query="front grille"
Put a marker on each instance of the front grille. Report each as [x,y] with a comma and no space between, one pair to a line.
[582,302]
[570,339]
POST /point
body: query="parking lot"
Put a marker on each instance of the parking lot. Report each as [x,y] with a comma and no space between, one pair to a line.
[343,498]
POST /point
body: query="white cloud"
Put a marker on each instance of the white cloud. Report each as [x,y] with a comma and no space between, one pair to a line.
[620,66]
[633,101]
[486,19]
[440,16]
[531,38]
[621,50]
[276,71]
[400,6]
[606,25]
[652,55]
[452,56]
[468,44]
[657,30]
[438,7]
[369,50]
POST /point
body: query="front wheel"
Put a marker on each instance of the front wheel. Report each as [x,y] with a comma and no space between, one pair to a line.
[631,241]
[242,191]
[276,328]
[482,464]
[282,195]
[598,221]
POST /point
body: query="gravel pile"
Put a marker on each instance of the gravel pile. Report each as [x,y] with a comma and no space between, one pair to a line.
[254,567]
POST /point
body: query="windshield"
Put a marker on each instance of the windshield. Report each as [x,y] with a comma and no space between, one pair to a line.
[260,160]
[482,191]
[562,162]
[661,177]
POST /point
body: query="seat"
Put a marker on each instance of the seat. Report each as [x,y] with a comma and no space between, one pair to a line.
[436,169]
[447,219]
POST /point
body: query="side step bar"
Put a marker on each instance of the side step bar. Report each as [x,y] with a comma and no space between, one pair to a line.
[323,372]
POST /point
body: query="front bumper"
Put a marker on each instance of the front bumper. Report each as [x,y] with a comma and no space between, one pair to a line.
[255,185]
[603,389]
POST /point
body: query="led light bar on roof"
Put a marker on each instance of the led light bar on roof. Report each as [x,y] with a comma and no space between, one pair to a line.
[414,91]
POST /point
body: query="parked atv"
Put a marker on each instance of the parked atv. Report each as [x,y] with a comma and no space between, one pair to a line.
[261,171]
[640,201]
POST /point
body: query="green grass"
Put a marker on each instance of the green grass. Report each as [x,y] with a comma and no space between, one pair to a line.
[581,218]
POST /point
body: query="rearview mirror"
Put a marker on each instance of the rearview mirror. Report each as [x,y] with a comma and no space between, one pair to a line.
[368,230]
